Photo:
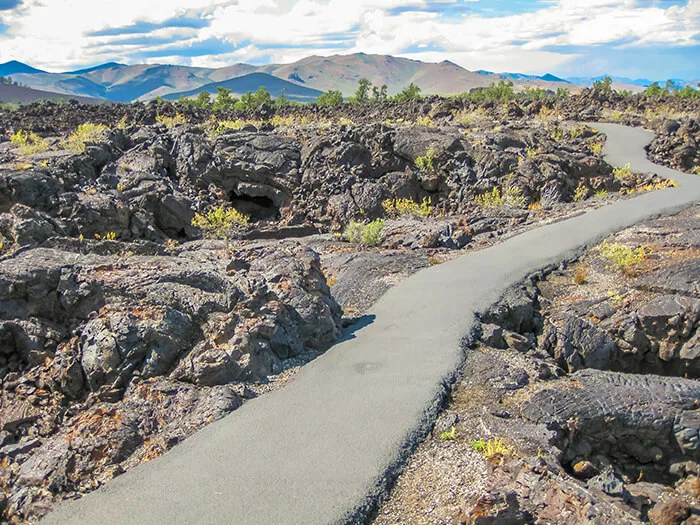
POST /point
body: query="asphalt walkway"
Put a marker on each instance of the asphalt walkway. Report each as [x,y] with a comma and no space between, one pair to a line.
[320,450]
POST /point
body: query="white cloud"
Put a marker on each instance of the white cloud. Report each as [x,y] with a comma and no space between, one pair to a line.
[54,34]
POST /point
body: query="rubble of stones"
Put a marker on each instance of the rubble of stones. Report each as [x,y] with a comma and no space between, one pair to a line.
[591,376]
[123,329]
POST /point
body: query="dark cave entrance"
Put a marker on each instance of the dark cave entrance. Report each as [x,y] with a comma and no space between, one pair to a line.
[259,208]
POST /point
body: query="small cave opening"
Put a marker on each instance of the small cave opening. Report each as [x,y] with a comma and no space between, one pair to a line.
[258,208]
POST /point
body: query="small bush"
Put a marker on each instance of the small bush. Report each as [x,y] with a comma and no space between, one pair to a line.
[581,193]
[531,152]
[427,162]
[372,234]
[111,236]
[497,199]
[449,435]
[353,232]
[581,274]
[425,121]
[218,220]
[621,173]
[407,207]
[502,91]
[29,142]
[366,234]
[622,258]
[492,448]
[343,121]
[171,122]
[330,98]
[601,193]
[86,133]
[577,132]
[597,148]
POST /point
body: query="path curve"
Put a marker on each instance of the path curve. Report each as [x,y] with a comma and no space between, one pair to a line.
[319,450]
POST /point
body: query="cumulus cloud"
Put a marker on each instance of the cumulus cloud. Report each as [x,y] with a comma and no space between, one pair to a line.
[212,33]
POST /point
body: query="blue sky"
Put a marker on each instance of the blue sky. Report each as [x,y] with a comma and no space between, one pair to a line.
[654,39]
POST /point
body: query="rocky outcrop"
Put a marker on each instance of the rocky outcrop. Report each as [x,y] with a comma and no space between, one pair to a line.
[111,353]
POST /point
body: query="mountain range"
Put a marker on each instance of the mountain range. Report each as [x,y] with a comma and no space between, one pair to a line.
[303,80]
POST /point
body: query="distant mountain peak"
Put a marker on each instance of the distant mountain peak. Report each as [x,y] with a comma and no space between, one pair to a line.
[13,67]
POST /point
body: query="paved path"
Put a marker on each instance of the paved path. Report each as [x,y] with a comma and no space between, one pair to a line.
[318,451]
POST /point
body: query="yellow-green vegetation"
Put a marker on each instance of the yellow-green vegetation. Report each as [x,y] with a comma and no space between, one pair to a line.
[28,142]
[449,435]
[86,133]
[623,258]
[601,193]
[111,236]
[581,193]
[171,122]
[531,152]
[577,132]
[470,118]
[597,148]
[696,170]
[549,114]
[652,186]
[366,234]
[214,127]
[496,198]
[425,121]
[616,116]
[427,162]
[123,123]
[218,220]
[342,121]
[557,135]
[492,448]
[280,121]
[407,207]
[625,171]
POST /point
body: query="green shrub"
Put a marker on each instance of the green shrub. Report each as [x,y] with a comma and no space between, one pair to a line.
[361,95]
[254,101]
[495,92]
[603,86]
[427,162]
[330,98]
[410,92]
[621,173]
[654,90]
[218,220]
[224,101]
[537,94]
[28,142]
[449,435]
[86,133]
[366,234]
[353,232]
[372,234]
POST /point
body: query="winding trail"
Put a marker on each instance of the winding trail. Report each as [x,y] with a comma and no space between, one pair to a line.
[321,449]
